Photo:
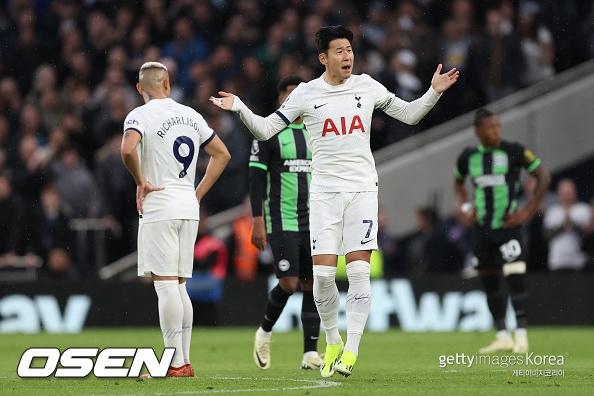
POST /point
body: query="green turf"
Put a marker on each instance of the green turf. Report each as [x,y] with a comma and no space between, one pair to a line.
[389,363]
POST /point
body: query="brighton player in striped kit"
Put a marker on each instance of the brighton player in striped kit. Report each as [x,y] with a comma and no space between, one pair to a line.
[337,108]
[280,172]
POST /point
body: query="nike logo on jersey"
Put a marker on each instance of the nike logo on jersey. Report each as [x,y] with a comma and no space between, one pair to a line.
[317,107]
[363,241]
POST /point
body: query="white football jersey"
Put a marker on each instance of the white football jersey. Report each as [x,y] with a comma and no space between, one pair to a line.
[338,118]
[171,134]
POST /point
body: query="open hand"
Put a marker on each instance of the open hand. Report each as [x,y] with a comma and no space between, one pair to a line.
[225,102]
[441,82]
[259,233]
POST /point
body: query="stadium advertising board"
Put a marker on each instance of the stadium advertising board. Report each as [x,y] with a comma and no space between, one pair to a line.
[436,304]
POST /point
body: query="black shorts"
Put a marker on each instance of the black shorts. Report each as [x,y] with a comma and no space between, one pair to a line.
[292,254]
[493,248]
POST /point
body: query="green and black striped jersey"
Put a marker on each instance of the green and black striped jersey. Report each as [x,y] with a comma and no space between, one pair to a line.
[280,175]
[495,174]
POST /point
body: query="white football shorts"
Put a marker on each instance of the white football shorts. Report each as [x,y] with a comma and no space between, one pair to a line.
[166,248]
[343,222]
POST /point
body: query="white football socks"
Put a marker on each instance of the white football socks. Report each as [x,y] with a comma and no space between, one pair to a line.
[187,321]
[260,333]
[327,301]
[358,303]
[171,314]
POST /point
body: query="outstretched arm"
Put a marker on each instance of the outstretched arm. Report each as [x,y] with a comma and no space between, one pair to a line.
[262,128]
[412,112]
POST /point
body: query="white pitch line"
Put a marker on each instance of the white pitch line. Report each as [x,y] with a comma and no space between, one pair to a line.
[314,384]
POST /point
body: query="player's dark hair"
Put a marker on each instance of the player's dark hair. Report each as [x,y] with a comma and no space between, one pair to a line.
[328,33]
[481,114]
[286,82]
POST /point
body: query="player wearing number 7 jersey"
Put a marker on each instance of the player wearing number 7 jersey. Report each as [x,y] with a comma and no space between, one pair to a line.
[337,109]
[160,149]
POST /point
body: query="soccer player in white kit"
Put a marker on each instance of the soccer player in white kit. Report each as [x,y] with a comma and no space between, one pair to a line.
[337,109]
[160,149]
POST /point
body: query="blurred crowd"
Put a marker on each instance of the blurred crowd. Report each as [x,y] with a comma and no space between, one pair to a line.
[68,70]
[558,237]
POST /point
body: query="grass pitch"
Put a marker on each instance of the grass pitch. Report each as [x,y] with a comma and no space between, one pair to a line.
[390,363]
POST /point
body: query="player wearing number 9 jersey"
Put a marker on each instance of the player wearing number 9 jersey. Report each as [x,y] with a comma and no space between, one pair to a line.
[337,109]
[160,149]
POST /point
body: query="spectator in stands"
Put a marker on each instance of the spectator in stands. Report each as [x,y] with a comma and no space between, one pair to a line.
[256,86]
[588,242]
[100,36]
[11,101]
[138,42]
[13,218]
[117,191]
[374,26]
[425,248]
[154,17]
[273,49]
[222,65]
[29,170]
[537,45]
[401,78]
[186,47]
[79,69]
[55,238]
[495,60]
[111,114]
[123,22]
[80,195]
[177,92]
[564,224]
[24,52]
[453,49]
[8,142]
[535,243]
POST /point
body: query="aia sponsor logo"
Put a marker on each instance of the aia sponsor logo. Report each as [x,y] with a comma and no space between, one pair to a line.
[332,128]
